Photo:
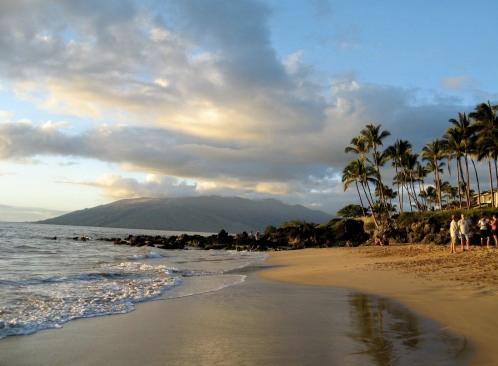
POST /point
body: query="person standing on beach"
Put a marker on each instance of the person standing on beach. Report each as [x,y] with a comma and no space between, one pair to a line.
[464,229]
[454,230]
[483,225]
[494,230]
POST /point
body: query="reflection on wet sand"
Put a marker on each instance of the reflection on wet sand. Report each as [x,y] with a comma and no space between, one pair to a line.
[389,334]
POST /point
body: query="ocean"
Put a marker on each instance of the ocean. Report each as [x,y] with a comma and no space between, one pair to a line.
[47,278]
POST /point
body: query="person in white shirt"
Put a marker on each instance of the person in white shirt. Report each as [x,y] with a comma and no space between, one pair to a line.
[464,229]
[484,231]
[454,231]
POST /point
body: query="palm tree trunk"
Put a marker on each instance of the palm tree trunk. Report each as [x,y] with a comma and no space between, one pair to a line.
[370,203]
[438,184]
[419,192]
[496,171]
[468,179]
[478,184]
[414,193]
[459,182]
[461,175]
[370,193]
[402,196]
[409,197]
[397,184]
[491,184]
[379,178]
[425,197]
[359,196]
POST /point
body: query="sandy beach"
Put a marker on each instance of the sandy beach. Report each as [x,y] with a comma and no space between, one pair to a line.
[459,291]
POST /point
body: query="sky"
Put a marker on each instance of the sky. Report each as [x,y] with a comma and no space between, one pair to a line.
[101,101]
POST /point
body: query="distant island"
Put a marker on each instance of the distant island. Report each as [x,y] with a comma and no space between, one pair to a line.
[202,214]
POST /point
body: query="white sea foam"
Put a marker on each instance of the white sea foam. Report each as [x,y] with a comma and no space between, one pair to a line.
[51,303]
[45,283]
[150,255]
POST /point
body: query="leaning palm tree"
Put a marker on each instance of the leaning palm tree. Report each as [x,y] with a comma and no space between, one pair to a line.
[374,138]
[433,153]
[356,172]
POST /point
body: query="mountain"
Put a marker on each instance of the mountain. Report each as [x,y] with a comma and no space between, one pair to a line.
[204,214]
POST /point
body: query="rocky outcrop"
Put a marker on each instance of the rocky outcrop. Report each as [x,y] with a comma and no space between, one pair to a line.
[292,235]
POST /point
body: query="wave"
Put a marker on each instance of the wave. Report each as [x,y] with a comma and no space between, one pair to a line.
[53,301]
[150,255]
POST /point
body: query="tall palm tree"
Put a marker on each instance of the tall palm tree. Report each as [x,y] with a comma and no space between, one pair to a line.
[453,151]
[486,117]
[473,155]
[396,153]
[409,164]
[420,174]
[374,137]
[359,146]
[463,130]
[433,153]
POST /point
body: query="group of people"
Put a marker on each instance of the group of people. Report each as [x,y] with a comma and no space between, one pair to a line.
[461,230]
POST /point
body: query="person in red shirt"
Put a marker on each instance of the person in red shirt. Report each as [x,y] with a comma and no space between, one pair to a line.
[494,229]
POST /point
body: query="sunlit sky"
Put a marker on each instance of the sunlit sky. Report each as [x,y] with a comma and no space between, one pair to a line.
[103,100]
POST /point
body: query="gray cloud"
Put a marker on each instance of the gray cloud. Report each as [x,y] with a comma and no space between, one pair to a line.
[117,187]
[288,158]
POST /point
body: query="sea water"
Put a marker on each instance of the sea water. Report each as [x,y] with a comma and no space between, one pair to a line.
[47,278]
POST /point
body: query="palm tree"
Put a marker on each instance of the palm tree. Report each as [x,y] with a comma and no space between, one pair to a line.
[409,164]
[420,172]
[352,174]
[396,153]
[433,153]
[374,137]
[474,154]
[463,131]
[453,151]
[356,172]
[486,117]
[431,196]
[358,146]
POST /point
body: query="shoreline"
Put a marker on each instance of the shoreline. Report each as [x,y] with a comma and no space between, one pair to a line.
[417,276]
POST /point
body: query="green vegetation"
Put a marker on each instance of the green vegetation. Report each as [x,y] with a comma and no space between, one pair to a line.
[351,211]
[471,138]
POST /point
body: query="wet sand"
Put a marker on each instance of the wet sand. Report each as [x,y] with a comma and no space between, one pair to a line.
[258,322]
[459,291]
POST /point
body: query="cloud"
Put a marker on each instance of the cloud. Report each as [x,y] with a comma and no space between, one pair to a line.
[172,91]
[117,187]
[284,166]
[188,74]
